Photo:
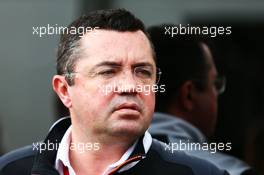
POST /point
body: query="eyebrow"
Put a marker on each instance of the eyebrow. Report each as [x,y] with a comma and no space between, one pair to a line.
[107,63]
[118,64]
[143,64]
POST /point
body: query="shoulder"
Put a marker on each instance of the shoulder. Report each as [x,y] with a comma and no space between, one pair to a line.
[19,161]
[182,159]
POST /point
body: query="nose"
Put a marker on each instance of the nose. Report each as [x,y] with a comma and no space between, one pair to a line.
[126,83]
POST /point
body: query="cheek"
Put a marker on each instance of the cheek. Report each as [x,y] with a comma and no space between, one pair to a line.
[97,98]
[90,106]
[210,109]
[213,99]
[210,103]
[149,101]
[207,103]
[87,96]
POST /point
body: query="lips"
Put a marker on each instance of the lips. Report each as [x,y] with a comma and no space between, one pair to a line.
[128,106]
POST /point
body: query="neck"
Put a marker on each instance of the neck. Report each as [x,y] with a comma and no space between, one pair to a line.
[97,153]
[177,111]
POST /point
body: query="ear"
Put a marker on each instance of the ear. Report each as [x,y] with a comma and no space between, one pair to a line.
[186,95]
[60,86]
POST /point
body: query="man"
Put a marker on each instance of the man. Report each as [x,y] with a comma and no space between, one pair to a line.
[98,74]
[190,100]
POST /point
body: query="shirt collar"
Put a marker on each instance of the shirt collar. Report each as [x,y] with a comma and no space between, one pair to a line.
[62,158]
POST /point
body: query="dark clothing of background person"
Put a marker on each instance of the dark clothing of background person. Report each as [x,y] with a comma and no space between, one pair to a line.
[172,129]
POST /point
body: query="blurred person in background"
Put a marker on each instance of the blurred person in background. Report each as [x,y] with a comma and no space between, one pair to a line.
[187,110]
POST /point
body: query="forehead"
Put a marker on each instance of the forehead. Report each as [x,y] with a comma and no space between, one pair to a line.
[122,47]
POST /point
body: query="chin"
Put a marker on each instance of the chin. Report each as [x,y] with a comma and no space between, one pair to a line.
[128,130]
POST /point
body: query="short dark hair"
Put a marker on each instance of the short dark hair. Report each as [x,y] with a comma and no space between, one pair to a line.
[181,58]
[111,19]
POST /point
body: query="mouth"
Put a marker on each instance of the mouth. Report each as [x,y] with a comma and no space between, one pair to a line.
[131,106]
[128,106]
[128,109]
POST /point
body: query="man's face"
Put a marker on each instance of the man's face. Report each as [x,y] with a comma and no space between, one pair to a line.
[103,97]
[206,101]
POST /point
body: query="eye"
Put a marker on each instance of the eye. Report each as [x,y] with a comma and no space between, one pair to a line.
[107,73]
[143,72]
